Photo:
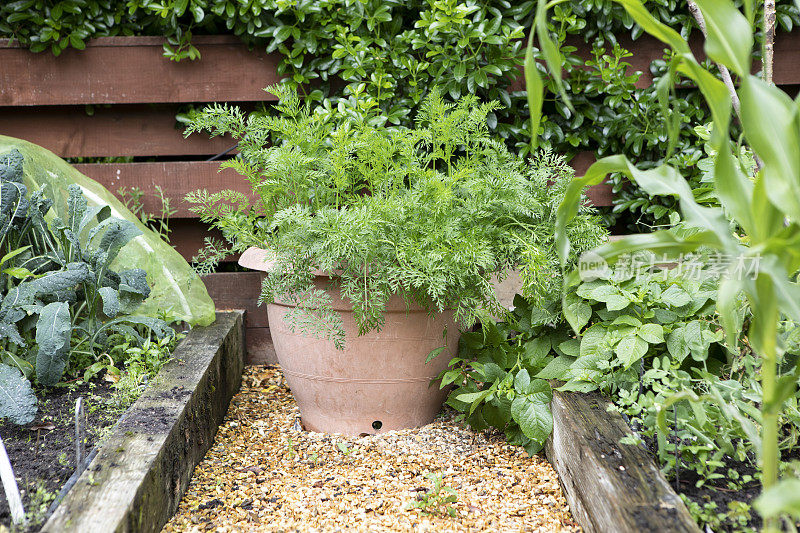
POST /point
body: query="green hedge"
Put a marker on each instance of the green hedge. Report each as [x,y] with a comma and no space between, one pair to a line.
[386,54]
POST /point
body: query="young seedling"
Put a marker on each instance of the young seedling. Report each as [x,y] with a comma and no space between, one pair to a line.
[343,448]
[437,501]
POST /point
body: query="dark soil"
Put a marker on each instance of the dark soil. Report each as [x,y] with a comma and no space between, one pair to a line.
[717,491]
[720,494]
[43,458]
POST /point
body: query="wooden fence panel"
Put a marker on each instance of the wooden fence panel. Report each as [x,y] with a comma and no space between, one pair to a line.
[118,131]
[42,100]
[240,290]
[132,70]
[176,179]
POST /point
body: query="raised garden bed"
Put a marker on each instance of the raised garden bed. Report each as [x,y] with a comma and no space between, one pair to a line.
[43,452]
[609,486]
[143,467]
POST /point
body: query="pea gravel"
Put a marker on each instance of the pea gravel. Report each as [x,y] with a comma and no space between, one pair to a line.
[264,473]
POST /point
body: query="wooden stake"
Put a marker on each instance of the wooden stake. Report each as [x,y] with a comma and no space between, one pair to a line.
[79,444]
[10,487]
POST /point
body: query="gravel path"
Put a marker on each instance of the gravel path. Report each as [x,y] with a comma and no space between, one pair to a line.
[264,473]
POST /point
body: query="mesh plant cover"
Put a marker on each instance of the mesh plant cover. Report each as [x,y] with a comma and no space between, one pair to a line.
[175,287]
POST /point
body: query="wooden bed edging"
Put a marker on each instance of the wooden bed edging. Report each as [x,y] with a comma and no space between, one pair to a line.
[610,487]
[142,470]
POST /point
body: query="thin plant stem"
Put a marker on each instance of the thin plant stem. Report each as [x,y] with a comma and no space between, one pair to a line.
[770,454]
[723,70]
[769,41]
[724,73]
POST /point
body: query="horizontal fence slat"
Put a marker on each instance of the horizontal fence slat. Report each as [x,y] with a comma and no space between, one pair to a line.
[646,49]
[188,237]
[133,70]
[180,177]
[118,131]
[238,290]
[600,195]
[175,178]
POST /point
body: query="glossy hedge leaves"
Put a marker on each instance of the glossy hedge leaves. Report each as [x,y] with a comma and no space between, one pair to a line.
[394,51]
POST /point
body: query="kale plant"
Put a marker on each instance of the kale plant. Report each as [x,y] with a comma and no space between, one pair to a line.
[429,212]
[60,297]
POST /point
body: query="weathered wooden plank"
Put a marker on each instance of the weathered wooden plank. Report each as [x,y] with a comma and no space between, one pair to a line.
[130,70]
[240,290]
[600,195]
[610,487]
[188,236]
[118,131]
[786,68]
[176,178]
[260,350]
[141,472]
[109,70]
[647,49]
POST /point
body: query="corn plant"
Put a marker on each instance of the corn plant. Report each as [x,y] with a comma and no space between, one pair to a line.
[763,208]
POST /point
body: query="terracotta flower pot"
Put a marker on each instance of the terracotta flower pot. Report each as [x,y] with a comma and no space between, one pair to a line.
[379,382]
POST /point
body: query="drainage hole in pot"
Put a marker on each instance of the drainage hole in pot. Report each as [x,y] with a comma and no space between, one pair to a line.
[377,425]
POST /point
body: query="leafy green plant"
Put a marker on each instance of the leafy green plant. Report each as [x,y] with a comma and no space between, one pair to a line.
[38,503]
[132,365]
[428,213]
[632,314]
[765,208]
[438,500]
[342,447]
[646,336]
[61,290]
[18,402]
[158,222]
[735,517]
[497,375]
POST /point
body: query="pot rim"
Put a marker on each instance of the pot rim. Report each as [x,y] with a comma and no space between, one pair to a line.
[263,260]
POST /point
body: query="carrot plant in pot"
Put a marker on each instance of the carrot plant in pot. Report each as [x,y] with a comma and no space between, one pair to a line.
[379,245]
